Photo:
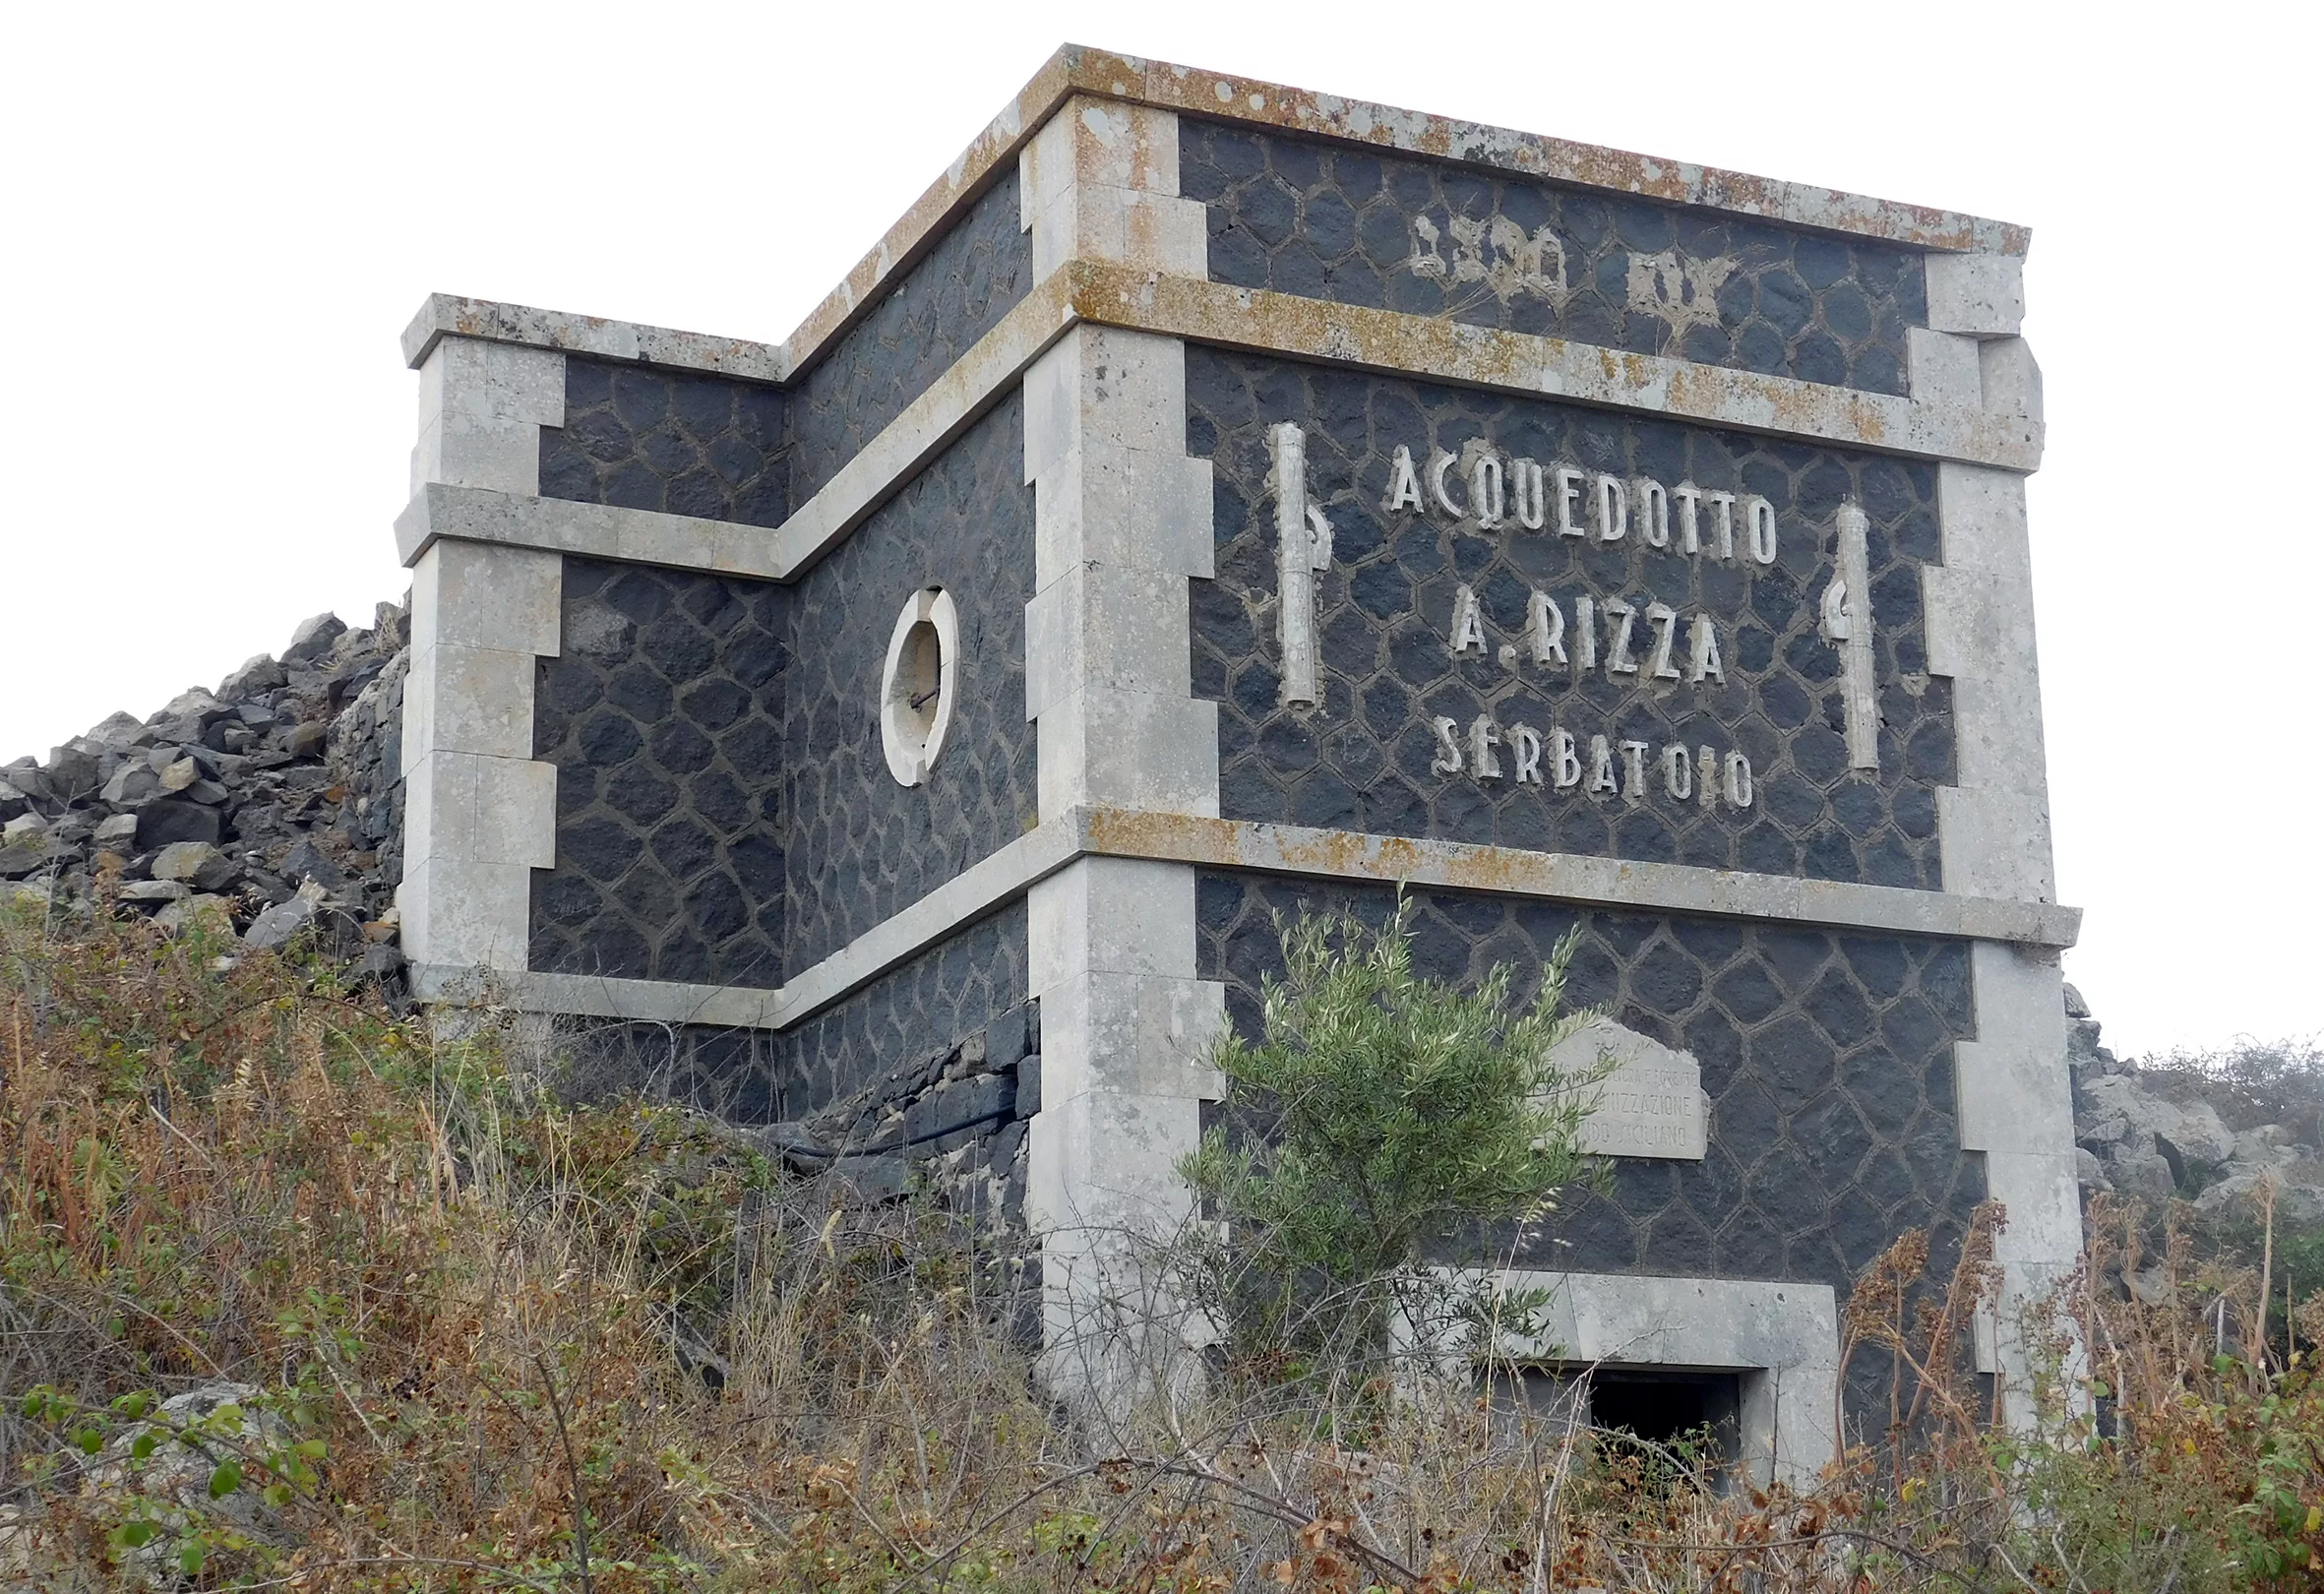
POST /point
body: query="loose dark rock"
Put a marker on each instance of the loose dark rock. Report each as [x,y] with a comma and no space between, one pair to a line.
[174,819]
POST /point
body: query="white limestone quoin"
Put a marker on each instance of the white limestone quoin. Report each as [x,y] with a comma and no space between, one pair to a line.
[1994,823]
[1122,520]
[479,811]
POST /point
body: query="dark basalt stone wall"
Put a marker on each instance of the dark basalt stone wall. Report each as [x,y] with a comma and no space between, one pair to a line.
[673,441]
[1361,760]
[1325,221]
[928,318]
[725,813]
[689,443]
[1828,1058]
[859,846]
[948,992]
[663,716]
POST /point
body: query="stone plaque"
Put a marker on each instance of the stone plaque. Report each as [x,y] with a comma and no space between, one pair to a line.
[1652,1105]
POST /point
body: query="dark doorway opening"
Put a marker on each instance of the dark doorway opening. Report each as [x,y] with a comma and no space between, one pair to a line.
[1657,1406]
[1662,1406]
[1666,1408]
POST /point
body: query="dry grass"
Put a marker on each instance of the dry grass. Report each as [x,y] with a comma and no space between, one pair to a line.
[489,1341]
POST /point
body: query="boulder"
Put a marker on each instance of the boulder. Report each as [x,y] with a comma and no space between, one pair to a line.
[116,833]
[306,861]
[2117,1110]
[185,860]
[313,638]
[14,799]
[379,963]
[179,773]
[195,703]
[21,827]
[133,785]
[2269,1145]
[118,728]
[174,819]
[156,891]
[2142,1173]
[26,857]
[875,1179]
[27,778]
[279,924]
[71,773]
[23,894]
[2298,1205]
[201,907]
[196,1431]
[259,674]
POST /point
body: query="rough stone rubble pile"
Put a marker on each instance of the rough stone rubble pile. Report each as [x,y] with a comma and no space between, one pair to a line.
[954,1122]
[2152,1136]
[268,806]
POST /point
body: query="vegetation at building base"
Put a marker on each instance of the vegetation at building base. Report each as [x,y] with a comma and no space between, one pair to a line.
[1379,1117]
[294,1294]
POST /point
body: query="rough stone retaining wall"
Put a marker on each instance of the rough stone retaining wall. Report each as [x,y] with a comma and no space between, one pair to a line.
[267,805]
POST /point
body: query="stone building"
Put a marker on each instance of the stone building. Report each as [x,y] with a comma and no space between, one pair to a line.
[1213,498]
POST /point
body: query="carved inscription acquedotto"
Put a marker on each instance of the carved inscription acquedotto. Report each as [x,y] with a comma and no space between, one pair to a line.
[1644,639]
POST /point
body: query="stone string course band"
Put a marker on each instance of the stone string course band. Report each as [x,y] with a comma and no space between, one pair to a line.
[1278,849]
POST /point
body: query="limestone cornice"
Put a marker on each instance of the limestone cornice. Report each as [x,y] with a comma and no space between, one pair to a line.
[1571,878]
[591,530]
[453,315]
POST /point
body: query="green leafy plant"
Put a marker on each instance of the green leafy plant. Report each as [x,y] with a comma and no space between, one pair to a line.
[1379,1118]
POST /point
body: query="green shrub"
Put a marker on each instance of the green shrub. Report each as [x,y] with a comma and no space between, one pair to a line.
[1379,1120]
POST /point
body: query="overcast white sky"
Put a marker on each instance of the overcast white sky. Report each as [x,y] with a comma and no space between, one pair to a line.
[218,219]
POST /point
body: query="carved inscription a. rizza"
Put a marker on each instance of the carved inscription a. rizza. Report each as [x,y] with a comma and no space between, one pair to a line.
[1645,641]
[1620,637]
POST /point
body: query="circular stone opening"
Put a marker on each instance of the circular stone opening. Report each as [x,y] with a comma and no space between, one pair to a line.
[917,689]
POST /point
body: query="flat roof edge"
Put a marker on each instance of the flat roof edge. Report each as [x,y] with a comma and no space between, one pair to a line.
[451,315]
[1080,69]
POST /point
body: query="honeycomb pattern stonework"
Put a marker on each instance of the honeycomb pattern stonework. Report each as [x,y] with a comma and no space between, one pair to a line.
[647,439]
[1828,1058]
[1428,237]
[1361,759]
[965,985]
[974,276]
[859,846]
[947,993]
[665,717]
